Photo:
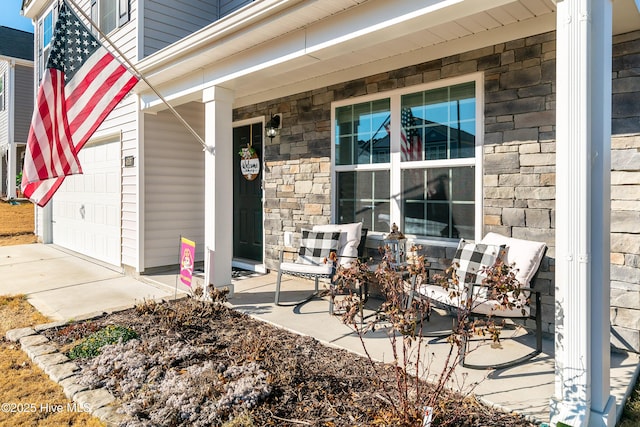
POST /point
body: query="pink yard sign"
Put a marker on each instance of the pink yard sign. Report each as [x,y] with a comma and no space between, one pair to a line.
[187,257]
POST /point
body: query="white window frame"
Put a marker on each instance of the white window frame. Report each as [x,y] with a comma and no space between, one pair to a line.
[122,13]
[396,166]
[43,50]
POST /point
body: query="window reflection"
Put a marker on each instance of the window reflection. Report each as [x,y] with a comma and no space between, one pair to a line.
[439,202]
[364,197]
[362,135]
[440,123]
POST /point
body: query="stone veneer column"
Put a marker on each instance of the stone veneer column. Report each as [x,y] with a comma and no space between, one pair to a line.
[583,128]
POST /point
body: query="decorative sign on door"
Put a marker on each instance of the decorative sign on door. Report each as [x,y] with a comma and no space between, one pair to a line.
[249,163]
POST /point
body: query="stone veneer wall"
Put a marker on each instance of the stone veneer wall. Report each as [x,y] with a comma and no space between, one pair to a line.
[625,192]
[519,158]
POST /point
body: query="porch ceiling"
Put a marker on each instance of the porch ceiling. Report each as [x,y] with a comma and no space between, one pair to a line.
[274,48]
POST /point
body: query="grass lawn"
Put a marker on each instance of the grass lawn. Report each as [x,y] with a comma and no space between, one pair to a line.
[25,390]
[16,224]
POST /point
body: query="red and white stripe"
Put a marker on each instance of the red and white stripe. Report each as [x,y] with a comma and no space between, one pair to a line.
[66,117]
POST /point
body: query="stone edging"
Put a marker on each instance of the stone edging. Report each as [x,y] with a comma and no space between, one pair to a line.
[45,354]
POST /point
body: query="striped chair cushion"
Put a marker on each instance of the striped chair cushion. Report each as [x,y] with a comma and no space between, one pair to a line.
[316,246]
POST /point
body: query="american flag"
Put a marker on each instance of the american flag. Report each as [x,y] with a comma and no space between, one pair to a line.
[411,144]
[82,83]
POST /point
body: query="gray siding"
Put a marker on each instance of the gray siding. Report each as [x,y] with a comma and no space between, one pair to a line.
[228,6]
[23,102]
[174,185]
[167,21]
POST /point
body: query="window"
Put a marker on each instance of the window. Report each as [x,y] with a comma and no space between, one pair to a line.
[2,95]
[109,14]
[411,158]
[45,34]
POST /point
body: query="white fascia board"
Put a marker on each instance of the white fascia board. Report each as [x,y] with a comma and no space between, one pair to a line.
[198,52]
[34,8]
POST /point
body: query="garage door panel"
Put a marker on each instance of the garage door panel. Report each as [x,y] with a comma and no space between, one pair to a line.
[113,184]
[100,184]
[88,186]
[86,208]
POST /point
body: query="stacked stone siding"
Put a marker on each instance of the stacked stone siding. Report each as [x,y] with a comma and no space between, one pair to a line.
[519,151]
[625,192]
[518,158]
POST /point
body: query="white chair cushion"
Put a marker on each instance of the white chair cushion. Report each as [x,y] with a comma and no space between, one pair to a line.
[525,255]
[294,267]
[440,294]
[349,239]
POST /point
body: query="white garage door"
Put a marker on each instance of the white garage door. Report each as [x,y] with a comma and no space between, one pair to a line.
[86,208]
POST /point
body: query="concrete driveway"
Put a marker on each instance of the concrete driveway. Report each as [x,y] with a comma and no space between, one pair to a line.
[64,286]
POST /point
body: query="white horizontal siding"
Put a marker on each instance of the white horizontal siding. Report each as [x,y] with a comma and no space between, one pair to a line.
[174,185]
[23,102]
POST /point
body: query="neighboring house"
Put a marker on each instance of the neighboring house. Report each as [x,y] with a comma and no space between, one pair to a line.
[478,77]
[16,104]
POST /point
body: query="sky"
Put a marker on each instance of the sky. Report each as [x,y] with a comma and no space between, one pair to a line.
[10,16]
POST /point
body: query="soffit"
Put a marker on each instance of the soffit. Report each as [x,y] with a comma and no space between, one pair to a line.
[293,46]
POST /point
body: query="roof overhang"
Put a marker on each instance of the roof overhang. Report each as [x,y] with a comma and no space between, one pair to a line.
[274,48]
[17,61]
[34,8]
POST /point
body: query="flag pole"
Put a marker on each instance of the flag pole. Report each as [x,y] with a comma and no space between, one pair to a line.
[143,78]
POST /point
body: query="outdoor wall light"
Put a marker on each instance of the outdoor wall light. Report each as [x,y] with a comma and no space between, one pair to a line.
[271,128]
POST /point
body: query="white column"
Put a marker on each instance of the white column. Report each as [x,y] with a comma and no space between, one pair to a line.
[583,168]
[3,161]
[46,213]
[218,228]
[12,169]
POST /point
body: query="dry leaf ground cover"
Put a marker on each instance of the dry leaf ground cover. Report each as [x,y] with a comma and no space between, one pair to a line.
[195,363]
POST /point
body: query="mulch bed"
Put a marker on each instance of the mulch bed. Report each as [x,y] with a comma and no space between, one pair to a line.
[293,379]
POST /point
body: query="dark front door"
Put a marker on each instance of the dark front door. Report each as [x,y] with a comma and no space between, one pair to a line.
[247,197]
